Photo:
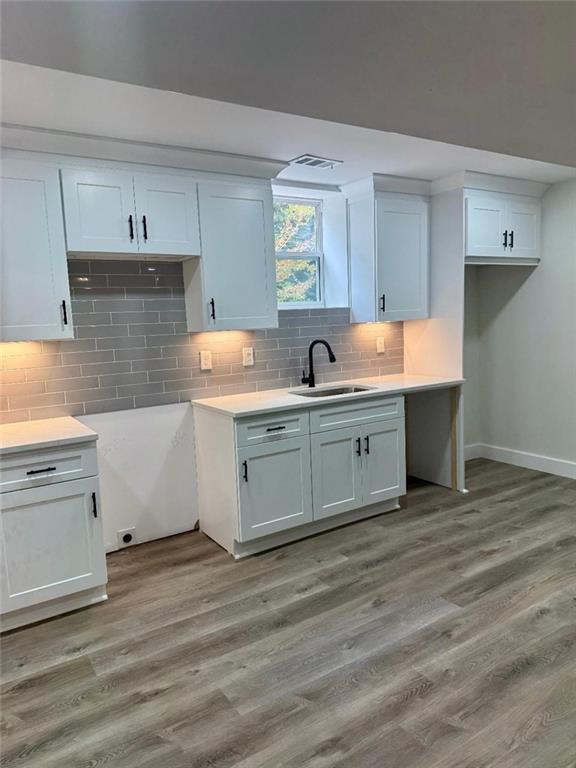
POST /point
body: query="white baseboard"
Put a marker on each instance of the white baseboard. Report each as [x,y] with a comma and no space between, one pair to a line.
[560,467]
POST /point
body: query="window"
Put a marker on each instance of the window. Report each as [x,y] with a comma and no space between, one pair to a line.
[298,243]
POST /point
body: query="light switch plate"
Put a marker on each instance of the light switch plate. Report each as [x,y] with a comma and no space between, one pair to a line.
[205,360]
[247,356]
[380,345]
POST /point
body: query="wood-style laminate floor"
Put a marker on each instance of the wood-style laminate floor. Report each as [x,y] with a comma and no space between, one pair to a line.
[439,636]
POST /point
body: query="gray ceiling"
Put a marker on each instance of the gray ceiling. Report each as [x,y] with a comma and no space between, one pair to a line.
[498,76]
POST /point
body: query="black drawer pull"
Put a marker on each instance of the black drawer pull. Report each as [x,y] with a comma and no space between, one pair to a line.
[245,471]
[94,505]
[212,304]
[40,471]
[275,429]
[358,447]
[383,302]
[511,239]
[505,243]
[367,441]
[64,312]
[145,227]
[131,225]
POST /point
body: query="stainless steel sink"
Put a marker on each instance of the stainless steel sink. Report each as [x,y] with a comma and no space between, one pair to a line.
[330,391]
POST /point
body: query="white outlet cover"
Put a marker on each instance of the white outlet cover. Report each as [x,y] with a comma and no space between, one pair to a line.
[380,345]
[247,356]
[126,532]
[205,360]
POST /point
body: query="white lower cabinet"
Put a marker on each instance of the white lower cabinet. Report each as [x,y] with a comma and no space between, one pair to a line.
[275,487]
[52,556]
[256,480]
[357,466]
[336,472]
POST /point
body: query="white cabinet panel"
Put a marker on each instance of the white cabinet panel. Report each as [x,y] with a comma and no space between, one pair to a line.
[35,297]
[402,258]
[99,211]
[238,262]
[167,210]
[336,471]
[51,543]
[485,226]
[389,257]
[502,228]
[384,475]
[523,221]
[275,487]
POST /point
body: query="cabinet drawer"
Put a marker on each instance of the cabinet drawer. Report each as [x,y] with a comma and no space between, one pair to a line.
[263,429]
[360,412]
[31,469]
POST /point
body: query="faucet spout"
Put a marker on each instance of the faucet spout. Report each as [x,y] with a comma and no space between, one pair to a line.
[310,379]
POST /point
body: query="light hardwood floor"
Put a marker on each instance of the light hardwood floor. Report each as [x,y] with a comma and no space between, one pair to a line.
[439,636]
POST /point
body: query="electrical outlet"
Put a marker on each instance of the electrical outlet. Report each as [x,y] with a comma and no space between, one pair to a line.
[126,538]
[380,345]
[247,356]
[205,360]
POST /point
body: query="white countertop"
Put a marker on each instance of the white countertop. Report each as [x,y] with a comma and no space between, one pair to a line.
[270,400]
[43,433]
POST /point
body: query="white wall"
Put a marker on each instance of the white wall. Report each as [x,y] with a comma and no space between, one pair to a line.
[147,471]
[526,382]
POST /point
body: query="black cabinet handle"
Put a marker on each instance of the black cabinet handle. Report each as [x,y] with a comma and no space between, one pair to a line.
[64,312]
[275,429]
[511,239]
[131,225]
[145,227]
[358,447]
[94,505]
[505,243]
[367,444]
[40,471]
[383,302]
[245,471]
[212,309]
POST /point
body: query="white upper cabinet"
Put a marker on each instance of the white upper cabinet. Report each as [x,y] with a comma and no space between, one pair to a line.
[167,209]
[389,257]
[233,285]
[100,211]
[402,258]
[111,211]
[34,292]
[485,225]
[502,228]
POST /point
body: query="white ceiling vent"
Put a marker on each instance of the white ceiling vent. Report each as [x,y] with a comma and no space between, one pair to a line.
[312,161]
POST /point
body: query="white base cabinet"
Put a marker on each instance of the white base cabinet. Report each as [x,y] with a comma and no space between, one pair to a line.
[256,481]
[51,542]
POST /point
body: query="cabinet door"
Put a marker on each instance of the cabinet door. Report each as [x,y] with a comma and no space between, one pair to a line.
[34,292]
[167,210]
[485,226]
[275,487]
[336,472]
[99,211]
[523,223]
[384,475]
[402,258]
[237,256]
[52,543]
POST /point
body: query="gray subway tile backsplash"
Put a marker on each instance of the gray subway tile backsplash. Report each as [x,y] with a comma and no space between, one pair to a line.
[132,350]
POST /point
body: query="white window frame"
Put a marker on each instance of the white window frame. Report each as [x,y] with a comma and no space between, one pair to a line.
[318,255]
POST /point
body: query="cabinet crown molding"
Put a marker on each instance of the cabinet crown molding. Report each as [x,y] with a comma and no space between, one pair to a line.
[381,182]
[106,148]
[489,183]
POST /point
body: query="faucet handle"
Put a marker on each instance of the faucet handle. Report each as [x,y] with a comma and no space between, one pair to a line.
[305,379]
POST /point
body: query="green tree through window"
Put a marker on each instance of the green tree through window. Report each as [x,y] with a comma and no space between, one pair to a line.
[296,235]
